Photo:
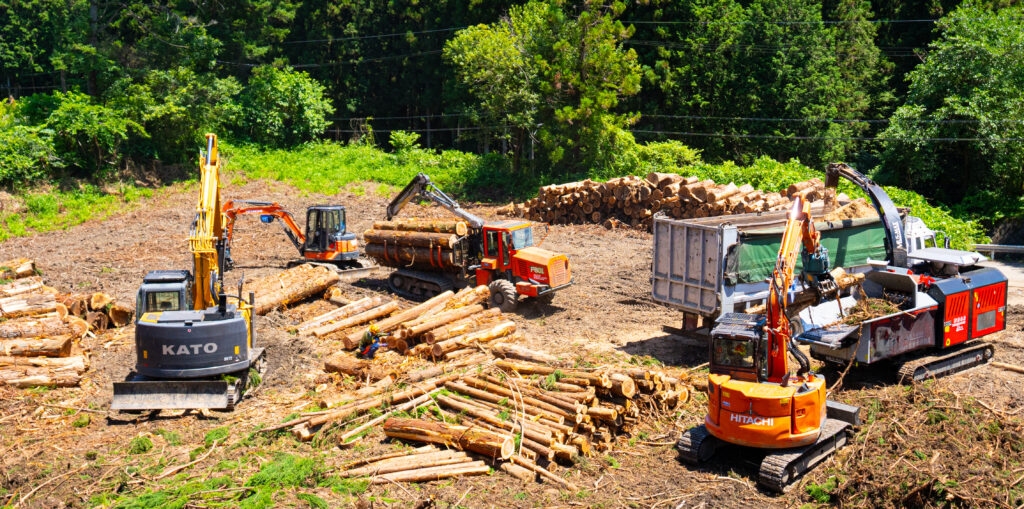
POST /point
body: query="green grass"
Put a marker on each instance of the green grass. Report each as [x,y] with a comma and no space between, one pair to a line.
[82,421]
[59,210]
[140,445]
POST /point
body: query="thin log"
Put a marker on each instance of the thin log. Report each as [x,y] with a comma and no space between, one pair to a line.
[435,371]
[373,459]
[521,473]
[341,313]
[361,318]
[509,351]
[536,448]
[465,326]
[444,318]
[392,322]
[464,437]
[402,463]
[490,417]
[472,296]
[509,393]
[343,440]
[546,474]
[500,330]
[1008,367]
[512,405]
[435,473]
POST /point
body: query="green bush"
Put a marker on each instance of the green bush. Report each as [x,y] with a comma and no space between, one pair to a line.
[282,107]
[176,108]
[27,154]
[402,141]
[89,137]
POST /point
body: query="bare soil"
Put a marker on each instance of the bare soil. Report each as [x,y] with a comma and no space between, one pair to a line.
[607,314]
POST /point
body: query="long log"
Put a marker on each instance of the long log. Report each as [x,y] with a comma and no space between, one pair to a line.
[346,311]
[472,296]
[465,326]
[500,330]
[293,285]
[569,407]
[345,363]
[459,228]
[19,286]
[509,351]
[464,437]
[443,318]
[17,268]
[533,446]
[490,417]
[435,473]
[58,346]
[410,238]
[447,367]
[373,459]
[404,407]
[592,379]
[42,378]
[394,255]
[412,462]
[26,305]
[361,318]
[77,363]
[518,396]
[483,395]
[32,327]
[1008,367]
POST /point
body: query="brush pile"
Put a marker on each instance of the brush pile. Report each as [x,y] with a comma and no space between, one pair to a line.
[417,243]
[526,414]
[446,326]
[41,328]
[632,201]
[868,308]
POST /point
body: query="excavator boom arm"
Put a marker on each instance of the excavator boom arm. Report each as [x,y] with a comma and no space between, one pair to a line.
[233,209]
[896,237]
[207,227]
[422,186]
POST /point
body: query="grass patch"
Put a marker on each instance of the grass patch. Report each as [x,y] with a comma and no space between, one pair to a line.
[59,210]
[82,421]
[140,445]
[216,435]
[171,437]
[284,471]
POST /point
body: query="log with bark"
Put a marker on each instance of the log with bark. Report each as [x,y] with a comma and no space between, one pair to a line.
[31,284]
[291,286]
[17,268]
[412,256]
[34,327]
[99,300]
[463,437]
[466,325]
[431,305]
[345,363]
[28,305]
[57,346]
[510,351]
[500,330]
[120,315]
[361,318]
[438,320]
[459,228]
[341,313]
[410,238]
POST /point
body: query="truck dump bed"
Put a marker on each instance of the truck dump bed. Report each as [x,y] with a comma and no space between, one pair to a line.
[715,265]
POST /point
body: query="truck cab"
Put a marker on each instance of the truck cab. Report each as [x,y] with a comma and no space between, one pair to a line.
[512,263]
[164,290]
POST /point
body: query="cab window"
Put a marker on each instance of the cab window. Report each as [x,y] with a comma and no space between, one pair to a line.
[492,244]
[734,353]
[162,301]
[522,237]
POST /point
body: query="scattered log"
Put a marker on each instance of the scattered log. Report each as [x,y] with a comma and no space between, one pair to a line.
[521,473]
[343,440]
[293,285]
[509,351]
[464,437]
[99,300]
[373,459]
[345,363]
[78,363]
[1008,367]
[58,346]
[26,305]
[335,296]
[412,462]
[392,322]
[544,473]
[469,297]
[343,312]
[361,318]
[435,473]
[443,318]
[500,330]
[120,315]
[17,268]
[464,326]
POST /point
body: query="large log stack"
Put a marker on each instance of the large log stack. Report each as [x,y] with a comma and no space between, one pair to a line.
[416,243]
[38,334]
[528,414]
[291,286]
[632,201]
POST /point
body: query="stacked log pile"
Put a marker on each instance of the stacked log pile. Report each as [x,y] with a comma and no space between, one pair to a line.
[416,243]
[38,334]
[446,326]
[522,416]
[632,201]
[99,310]
[291,286]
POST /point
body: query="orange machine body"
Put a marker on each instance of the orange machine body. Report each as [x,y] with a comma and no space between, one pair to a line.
[510,252]
[325,238]
[753,399]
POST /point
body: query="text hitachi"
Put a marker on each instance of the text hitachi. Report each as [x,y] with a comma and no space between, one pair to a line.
[748,419]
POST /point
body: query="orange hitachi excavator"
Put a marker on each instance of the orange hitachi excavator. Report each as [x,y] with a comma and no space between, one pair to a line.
[754,401]
[325,240]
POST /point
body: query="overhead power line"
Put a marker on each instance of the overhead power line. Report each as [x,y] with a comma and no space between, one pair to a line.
[831,120]
[375,36]
[821,138]
[811,22]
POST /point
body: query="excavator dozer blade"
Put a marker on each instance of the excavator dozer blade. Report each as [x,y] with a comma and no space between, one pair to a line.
[353,274]
[172,394]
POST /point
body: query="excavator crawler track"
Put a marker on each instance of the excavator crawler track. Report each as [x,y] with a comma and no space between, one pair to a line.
[780,468]
[935,366]
[696,445]
[417,284]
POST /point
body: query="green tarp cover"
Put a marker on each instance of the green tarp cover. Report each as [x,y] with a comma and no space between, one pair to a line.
[849,243]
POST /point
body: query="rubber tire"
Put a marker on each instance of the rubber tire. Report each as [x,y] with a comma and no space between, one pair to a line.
[503,295]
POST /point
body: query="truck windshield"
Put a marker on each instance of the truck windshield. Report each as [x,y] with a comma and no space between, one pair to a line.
[162,301]
[736,353]
[522,237]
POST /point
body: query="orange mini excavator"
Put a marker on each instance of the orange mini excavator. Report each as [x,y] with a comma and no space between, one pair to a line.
[753,399]
[325,240]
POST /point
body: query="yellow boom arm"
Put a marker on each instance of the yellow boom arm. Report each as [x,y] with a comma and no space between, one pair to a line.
[207,227]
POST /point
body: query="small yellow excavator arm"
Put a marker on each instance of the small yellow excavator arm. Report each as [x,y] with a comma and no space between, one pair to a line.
[207,227]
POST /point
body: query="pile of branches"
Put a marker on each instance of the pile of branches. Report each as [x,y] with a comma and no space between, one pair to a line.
[40,328]
[632,201]
[922,446]
[518,415]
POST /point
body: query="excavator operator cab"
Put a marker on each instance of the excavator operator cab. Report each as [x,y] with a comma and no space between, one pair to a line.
[164,290]
[326,235]
[737,346]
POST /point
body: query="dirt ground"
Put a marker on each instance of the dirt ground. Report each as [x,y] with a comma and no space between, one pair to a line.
[47,462]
